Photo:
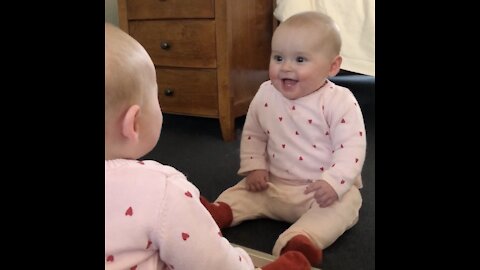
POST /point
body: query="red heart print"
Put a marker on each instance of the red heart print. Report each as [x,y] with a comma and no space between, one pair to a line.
[110,258]
[283,145]
[280,118]
[249,137]
[309,121]
[141,162]
[361,133]
[188,194]
[326,133]
[129,211]
[293,107]
[356,160]
[314,146]
[296,133]
[343,121]
[333,165]
[149,243]
[185,236]
[133,268]
[342,182]
[266,105]
[300,158]
[321,169]
[341,145]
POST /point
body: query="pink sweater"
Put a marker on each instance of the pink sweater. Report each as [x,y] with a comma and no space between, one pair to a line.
[319,136]
[154,220]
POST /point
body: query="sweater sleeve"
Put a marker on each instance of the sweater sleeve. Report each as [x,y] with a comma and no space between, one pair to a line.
[253,142]
[189,238]
[348,138]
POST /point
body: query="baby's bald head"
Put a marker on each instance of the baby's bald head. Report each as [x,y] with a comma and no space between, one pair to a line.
[127,66]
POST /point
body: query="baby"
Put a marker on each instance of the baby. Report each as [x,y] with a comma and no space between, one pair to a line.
[303,144]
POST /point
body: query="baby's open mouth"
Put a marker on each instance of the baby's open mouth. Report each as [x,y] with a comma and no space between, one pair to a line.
[289,82]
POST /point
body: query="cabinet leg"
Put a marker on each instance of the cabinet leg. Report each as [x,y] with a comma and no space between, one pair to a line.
[227,125]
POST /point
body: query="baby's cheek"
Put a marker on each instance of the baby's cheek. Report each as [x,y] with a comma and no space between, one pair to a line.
[273,73]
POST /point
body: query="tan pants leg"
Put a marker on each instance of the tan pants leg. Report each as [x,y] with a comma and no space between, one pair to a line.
[324,225]
[275,202]
[287,202]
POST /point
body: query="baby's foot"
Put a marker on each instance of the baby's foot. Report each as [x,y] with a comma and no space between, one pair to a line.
[220,211]
[306,247]
[290,260]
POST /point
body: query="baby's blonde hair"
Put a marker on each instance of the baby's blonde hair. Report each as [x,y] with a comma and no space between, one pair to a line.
[321,24]
[125,59]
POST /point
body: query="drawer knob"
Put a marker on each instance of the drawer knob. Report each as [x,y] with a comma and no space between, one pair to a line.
[168,92]
[165,45]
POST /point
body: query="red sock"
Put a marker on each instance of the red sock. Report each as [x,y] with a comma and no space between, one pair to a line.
[220,211]
[290,260]
[306,247]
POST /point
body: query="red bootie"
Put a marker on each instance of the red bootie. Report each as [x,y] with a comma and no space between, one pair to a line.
[290,260]
[306,247]
[220,211]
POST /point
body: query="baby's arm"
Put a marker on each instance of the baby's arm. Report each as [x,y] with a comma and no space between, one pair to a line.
[348,140]
[254,139]
[188,237]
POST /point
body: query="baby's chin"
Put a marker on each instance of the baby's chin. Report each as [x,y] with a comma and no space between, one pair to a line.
[288,93]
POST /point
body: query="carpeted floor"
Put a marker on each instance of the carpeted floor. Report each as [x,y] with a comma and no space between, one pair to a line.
[194,146]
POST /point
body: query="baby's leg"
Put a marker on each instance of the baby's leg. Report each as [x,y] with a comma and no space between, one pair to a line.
[322,226]
[237,204]
[245,204]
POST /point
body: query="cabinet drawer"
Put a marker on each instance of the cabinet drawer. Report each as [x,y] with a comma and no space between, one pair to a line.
[177,43]
[170,9]
[188,91]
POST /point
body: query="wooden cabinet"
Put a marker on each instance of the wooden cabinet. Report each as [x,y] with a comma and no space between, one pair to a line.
[210,55]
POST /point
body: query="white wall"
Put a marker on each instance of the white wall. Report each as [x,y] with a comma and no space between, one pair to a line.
[111,11]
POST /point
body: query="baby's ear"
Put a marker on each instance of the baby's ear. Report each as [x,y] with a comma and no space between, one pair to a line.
[335,66]
[130,123]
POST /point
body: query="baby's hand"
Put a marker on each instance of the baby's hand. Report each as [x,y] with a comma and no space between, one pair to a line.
[257,180]
[324,194]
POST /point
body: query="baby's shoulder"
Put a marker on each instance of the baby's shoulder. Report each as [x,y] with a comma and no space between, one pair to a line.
[159,167]
[150,172]
[174,179]
[266,88]
[338,92]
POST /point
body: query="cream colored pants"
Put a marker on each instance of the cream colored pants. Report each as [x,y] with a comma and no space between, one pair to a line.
[284,200]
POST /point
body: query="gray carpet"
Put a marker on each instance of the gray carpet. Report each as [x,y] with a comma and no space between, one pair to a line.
[193,145]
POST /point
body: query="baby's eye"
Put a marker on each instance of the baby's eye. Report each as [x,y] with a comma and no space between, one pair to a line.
[278,58]
[300,59]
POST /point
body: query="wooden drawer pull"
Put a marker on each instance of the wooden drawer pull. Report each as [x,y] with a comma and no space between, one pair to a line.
[168,92]
[165,45]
